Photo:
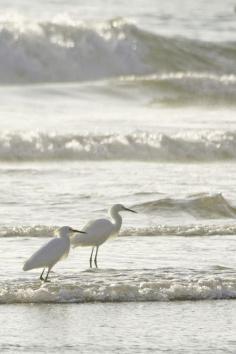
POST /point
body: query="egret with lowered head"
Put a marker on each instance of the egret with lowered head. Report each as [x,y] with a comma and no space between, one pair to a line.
[98,231]
[52,252]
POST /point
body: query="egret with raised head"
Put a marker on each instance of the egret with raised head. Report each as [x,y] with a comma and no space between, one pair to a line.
[52,252]
[98,231]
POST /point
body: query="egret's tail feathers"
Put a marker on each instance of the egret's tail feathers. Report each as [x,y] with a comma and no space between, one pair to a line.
[26,266]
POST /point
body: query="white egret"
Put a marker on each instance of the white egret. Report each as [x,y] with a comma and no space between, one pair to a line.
[52,252]
[98,231]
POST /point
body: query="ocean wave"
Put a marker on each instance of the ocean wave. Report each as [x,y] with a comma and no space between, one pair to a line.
[76,51]
[137,146]
[189,230]
[182,88]
[181,230]
[203,206]
[120,286]
[28,231]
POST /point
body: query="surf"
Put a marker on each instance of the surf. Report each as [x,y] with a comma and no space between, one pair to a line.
[54,51]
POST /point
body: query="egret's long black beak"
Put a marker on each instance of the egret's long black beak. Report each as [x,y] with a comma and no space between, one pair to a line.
[132,211]
[81,232]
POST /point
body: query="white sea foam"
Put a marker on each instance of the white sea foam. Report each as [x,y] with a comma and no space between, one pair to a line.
[208,146]
[123,286]
[28,231]
[157,230]
[181,230]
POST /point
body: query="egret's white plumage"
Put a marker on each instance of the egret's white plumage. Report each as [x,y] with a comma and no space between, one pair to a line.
[52,252]
[49,254]
[98,231]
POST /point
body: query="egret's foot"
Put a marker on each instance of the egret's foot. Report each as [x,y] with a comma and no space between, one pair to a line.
[41,278]
[46,281]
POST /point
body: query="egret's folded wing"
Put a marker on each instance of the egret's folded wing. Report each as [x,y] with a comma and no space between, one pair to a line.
[96,231]
[48,254]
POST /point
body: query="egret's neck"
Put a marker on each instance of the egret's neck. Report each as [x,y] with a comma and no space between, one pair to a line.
[117,218]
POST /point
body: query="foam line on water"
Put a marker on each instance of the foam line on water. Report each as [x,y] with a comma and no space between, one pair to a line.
[123,286]
[137,146]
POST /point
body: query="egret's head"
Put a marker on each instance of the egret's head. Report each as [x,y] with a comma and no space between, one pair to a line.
[68,231]
[119,207]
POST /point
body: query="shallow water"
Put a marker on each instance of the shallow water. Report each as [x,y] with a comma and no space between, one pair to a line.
[182,327]
[104,104]
[131,269]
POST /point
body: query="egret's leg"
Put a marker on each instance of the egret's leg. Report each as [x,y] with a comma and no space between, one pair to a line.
[46,279]
[41,276]
[91,259]
[95,259]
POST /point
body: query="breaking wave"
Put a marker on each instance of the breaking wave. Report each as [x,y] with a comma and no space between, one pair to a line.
[138,146]
[182,230]
[183,88]
[63,52]
[28,231]
[203,206]
[157,230]
[123,286]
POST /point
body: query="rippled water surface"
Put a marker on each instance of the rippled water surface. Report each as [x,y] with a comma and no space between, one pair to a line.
[116,102]
[130,328]
[131,269]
